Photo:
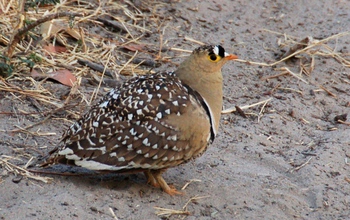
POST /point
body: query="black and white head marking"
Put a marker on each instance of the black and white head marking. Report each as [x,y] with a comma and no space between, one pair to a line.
[220,51]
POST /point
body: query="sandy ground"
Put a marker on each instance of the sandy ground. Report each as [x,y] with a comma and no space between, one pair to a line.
[288,159]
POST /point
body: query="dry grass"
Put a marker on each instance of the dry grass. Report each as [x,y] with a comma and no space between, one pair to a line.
[108,33]
[93,40]
[165,212]
[307,47]
[101,39]
[20,171]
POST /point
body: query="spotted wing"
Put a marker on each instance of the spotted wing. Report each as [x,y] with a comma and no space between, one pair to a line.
[151,122]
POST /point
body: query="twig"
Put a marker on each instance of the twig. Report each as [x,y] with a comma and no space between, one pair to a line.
[168,212]
[293,74]
[329,92]
[347,179]
[94,96]
[233,109]
[311,46]
[127,63]
[343,122]
[25,172]
[274,76]
[301,166]
[192,199]
[193,40]
[44,120]
[188,183]
[252,62]
[113,214]
[96,67]
[261,111]
[37,133]
[114,24]
[17,35]
[180,50]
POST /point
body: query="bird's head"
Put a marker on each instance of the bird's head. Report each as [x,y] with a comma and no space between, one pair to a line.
[204,61]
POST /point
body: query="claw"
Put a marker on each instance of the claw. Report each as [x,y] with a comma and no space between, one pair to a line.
[172,191]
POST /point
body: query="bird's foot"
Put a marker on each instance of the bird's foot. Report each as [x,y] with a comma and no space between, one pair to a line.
[172,191]
[155,178]
[150,179]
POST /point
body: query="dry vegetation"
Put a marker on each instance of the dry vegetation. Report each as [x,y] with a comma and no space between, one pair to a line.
[80,42]
[73,43]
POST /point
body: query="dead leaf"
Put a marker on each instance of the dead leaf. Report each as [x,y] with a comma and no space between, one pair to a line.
[134,47]
[63,76]
[73,32]
[51,28]
[54,49]
[37,75]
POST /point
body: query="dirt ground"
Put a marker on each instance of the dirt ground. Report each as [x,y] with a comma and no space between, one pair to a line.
[287,159]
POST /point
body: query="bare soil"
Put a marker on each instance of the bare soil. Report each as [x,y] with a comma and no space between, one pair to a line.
[287,159]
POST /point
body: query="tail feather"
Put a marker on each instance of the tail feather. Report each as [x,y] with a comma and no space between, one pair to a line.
[53,158]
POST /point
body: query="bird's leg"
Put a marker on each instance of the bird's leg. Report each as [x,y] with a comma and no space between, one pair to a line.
[157,175]
[150,179]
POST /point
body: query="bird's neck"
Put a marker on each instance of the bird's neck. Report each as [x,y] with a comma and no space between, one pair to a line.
[209,86]
[212,93]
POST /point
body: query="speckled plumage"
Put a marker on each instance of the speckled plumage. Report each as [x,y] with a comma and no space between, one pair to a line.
[149,123]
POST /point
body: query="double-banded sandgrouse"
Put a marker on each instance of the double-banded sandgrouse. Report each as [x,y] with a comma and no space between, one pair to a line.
[151,122]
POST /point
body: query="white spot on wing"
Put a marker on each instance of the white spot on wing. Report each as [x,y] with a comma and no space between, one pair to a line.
[155,146]
[65,151]
[93,165]
[102,149]
[173,137]
[115,96]
[103,104]
[132,131]
[146,165]
[146,143]
[95,124]
[121,159]
[90,142]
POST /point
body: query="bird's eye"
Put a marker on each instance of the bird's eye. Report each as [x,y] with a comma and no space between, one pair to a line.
[213,57]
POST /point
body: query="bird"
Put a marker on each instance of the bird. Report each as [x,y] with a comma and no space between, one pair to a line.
[151,122]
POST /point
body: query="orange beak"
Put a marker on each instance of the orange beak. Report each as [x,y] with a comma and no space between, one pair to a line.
[231,57]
